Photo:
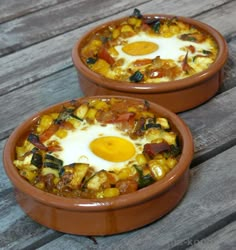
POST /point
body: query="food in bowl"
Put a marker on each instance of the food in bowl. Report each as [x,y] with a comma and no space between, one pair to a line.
[112,214]
[149,49]
[99,148]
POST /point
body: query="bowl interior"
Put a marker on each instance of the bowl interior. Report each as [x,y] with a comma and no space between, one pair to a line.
[122,201]
[152,87]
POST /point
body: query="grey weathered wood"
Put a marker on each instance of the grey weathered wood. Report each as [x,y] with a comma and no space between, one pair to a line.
[10,9]
[210,197]
[53,55]
[199,120]
[49,22]
[213,125]
[222,239]
[38,75]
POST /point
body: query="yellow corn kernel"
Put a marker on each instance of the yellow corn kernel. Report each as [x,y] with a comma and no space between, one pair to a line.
[174,29]
[141,159]
[171,162]
[111,192]
[54,115]
[163,122]
[56,180]
[115,33]
[96,43]
[132,109]
[101,67]
[100,195]
[138,23]
[164,29]
[113,52]
[45,122]
[75,122]
[126,28]
[124,173]
[132,21]
[29,175]
[160,161]
[159,172]
[40,185]
[91,114]
[99,105]
[146,114]
[170,138]
[61,133]
[81,111]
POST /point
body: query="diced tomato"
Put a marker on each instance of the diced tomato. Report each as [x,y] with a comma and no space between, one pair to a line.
[152,149]
[124,117]
[48,132]
[67,125]
[191,48]
[103,54]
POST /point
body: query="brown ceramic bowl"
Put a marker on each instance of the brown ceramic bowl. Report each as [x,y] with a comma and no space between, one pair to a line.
[102,216]
[176,95]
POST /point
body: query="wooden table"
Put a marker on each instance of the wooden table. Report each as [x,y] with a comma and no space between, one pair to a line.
[36,38]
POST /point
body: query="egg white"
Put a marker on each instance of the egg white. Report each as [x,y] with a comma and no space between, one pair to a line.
[76,146]
[169,48]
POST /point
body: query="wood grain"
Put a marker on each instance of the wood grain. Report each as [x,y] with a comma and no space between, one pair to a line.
[208,200]
[57,19]
[50,56]
[36,38]
[11,9]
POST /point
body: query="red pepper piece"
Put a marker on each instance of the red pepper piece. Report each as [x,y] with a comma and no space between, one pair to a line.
[152,149]
[49,132]
[103,54]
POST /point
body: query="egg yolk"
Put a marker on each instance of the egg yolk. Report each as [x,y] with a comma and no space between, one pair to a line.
[140,48]
[111,148]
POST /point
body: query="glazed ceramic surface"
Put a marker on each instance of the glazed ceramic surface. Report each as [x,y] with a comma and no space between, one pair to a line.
[176,95]
[109,215]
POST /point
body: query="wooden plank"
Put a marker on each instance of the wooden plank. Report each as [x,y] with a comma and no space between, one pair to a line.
[45,58]
[198,119]
[230,67]
[33,28]
[213,125]
[221,239]
[56,88]
[11,9]
[211,197]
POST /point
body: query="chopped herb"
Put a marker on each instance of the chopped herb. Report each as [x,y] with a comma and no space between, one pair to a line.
[137,13]
[136,77]
[146,104]
[64,115]
[156,26]
[171,20]
[144,180]
[174,151]
[91,60]
[206,52]
[105,39]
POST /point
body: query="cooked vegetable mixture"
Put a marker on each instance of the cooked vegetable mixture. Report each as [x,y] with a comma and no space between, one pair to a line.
[149,50]
[98,149]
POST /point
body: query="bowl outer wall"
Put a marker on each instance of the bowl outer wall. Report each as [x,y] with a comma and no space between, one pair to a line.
[33,200]
[177,95]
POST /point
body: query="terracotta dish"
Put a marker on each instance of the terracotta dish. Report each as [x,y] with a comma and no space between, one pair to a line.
[104,216]
[177,95]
